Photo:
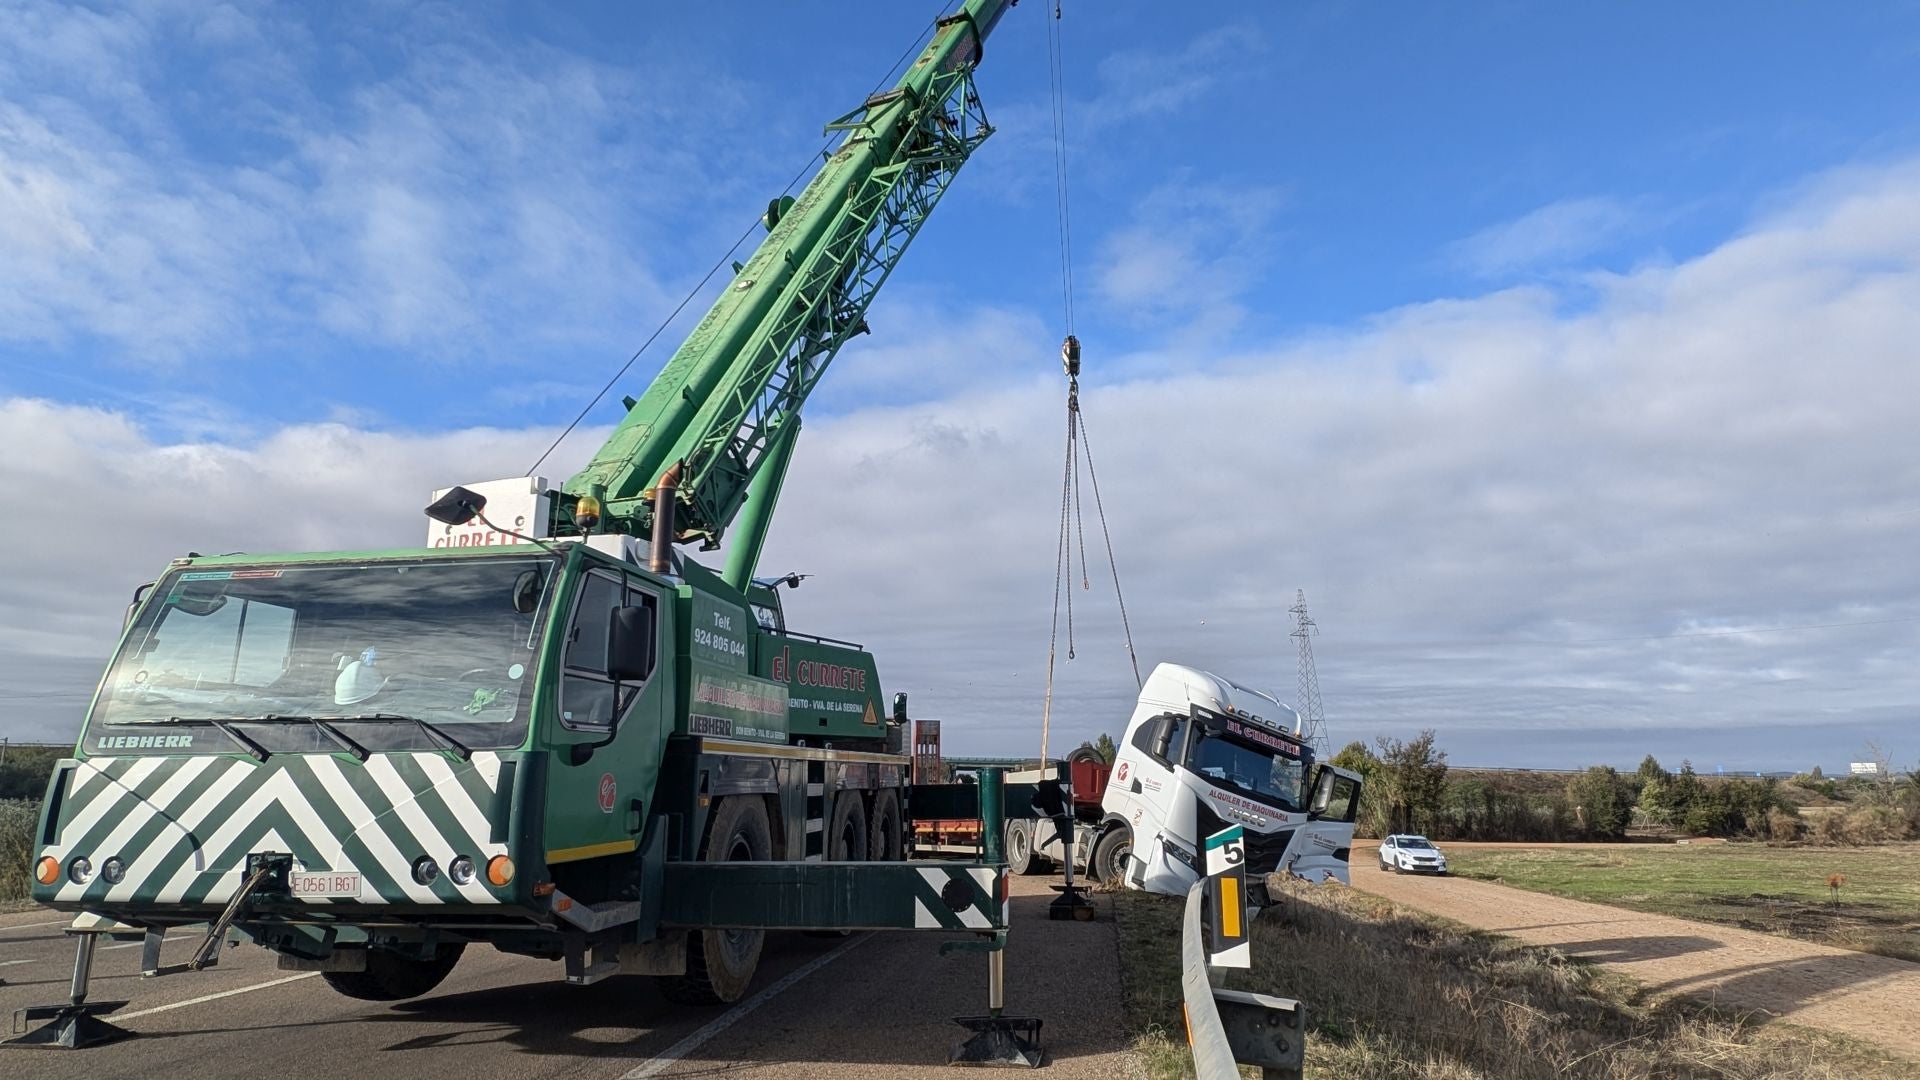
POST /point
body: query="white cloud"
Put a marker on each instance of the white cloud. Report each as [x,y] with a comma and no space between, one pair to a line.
[1556,234]
[1495,548]
[176,183]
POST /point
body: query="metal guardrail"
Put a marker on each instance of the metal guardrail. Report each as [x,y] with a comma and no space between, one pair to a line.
[1230,1028]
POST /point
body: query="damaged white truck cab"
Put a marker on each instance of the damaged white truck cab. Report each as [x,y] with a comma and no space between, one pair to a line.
[1201,753]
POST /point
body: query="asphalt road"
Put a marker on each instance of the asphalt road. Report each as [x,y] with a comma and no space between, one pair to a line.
[867,1005]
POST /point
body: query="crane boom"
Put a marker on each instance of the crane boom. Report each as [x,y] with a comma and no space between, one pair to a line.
[727,403]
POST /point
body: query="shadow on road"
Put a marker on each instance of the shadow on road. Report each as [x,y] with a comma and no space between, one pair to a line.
[1626,950]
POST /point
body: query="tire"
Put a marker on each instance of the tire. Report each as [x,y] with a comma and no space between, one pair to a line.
[847,828]
[721,963]
[392,977]
[1020,846]
[1110,852]
[1383,866]
[1398,869]
[884,829]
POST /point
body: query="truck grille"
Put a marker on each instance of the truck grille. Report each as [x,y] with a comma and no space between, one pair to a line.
[1263,849]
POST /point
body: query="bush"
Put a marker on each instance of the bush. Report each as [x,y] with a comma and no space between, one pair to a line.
[1871,824]
[17,821]
[1783,826]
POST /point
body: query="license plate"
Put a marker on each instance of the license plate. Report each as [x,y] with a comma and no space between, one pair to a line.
[324,884]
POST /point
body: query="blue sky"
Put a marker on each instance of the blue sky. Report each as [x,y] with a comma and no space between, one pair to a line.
[1305,167]
[1471,263]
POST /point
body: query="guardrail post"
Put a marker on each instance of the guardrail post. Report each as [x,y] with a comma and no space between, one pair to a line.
[1230,1028]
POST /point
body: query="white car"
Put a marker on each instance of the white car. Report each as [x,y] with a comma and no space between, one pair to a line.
[1403,853]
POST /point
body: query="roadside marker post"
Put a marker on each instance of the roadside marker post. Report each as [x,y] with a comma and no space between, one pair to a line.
[1227,941]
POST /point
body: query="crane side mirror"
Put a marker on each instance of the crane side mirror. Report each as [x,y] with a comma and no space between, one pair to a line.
[457,507]
[139,594]
[900,708]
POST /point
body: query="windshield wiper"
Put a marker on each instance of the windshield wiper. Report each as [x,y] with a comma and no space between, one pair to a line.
[433,731]
[259,752]
[253,749]
[340,739]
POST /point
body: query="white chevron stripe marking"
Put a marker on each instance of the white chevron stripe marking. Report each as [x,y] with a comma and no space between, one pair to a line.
[366,827]
[104,802]
[405,804]
[203,807]
[279,788]
[969,916]
[142,862]
[471,818]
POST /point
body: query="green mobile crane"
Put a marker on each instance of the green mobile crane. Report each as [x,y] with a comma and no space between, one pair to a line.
[550,730]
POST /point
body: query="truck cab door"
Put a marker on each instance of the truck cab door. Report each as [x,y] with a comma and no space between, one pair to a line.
[1143,785]
[599,806]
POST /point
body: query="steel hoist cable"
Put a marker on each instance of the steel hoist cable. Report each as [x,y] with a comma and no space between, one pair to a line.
[1073,532]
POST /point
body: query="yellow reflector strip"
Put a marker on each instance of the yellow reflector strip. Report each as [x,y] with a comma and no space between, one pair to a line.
[1230,907]
[589,851]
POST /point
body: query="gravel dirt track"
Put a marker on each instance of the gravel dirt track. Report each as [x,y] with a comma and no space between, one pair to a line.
[1870,997]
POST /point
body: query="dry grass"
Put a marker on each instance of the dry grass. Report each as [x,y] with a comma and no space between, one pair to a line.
[1390,993]
[17,819]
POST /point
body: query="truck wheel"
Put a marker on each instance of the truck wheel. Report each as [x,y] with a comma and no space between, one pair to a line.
[883,835]
[720,963]
[1020,846]
[392,977]
[1110,852]
[847,829]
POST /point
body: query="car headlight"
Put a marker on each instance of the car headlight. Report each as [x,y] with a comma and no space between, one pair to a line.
[461,870]
[114,870]
[79,870]
[425,870]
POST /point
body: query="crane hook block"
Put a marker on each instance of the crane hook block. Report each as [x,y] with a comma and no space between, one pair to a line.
[1070,356]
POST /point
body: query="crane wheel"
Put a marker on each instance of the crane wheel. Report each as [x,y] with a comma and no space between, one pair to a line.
[884,828]
[847,828]
[392,977]
[721,963]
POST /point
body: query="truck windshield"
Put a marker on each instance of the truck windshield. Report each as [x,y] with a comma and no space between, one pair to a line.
[369,647]
[1259,772]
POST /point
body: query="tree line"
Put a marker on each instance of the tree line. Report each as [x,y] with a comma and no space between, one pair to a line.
[1410,789]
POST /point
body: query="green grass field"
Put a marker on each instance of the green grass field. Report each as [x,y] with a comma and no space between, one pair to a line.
[1779,890]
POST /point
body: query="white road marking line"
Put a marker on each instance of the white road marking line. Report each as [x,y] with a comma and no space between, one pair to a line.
[270,983]
[33,925]
[671,1056]
[10,963]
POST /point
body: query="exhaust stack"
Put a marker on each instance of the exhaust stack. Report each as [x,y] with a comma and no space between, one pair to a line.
[660,552]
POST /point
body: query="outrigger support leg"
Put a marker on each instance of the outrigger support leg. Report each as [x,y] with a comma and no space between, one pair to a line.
[77,1023]
[998,1040]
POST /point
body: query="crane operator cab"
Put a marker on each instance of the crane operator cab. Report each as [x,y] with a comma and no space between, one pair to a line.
[1203,753]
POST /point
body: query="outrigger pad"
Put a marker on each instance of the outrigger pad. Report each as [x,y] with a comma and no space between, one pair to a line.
[70,1027]
[1006,1042]
[1072,903]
